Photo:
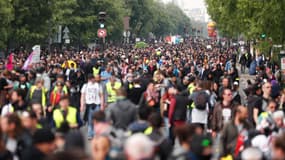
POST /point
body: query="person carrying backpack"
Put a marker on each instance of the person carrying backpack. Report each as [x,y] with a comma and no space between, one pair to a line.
[201,99]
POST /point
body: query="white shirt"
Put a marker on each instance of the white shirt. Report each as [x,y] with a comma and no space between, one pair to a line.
[8,108]
[11,146]
[199,116]
[92,93]
[226,113]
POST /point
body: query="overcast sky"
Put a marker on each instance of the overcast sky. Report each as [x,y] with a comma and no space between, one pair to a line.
[190,4]
[194,3]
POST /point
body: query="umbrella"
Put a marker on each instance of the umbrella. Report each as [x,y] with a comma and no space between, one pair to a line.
[69,62]
[141,45]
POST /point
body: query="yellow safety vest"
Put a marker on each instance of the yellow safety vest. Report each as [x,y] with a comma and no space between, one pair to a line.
[39,126]
[191,89]
[71,117]
[96,71]
[33,88]
[148,131]
[131,86]
[11,110]
[111,92]
[65,91]
[158,53]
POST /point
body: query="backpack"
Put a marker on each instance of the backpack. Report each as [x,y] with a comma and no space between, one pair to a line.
[201,100]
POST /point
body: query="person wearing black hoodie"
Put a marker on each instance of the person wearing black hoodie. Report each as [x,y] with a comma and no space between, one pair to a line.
[135,92]
[43,145]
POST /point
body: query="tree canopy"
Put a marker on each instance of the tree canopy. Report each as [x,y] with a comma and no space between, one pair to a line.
[31,22]
[251,18]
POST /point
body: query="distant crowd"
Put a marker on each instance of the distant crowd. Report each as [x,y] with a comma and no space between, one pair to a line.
[165,101]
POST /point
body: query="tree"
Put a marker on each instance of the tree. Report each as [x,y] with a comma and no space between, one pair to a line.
[30,24]
[152,16]
[250,18]
[6,16]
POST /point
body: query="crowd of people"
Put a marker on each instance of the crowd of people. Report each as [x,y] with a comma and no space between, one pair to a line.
[165,102]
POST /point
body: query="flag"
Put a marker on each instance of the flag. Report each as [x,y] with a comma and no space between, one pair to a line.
[34,57]
[28,62]
[9,65]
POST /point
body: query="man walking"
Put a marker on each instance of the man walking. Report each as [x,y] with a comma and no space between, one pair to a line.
[92,97]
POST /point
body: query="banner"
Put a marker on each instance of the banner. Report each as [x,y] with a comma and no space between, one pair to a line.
[36,54]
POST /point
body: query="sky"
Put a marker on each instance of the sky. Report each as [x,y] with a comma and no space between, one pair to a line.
[190,4]
[194,4]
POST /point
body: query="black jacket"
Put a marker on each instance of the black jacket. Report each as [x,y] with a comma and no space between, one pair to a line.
[33,153]
[180,107]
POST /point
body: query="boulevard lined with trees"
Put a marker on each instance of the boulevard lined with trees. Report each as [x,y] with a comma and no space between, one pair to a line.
[36,22]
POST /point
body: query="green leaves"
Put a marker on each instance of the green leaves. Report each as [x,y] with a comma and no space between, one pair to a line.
[158,18]
[27,22]
[249,17]
[6,17]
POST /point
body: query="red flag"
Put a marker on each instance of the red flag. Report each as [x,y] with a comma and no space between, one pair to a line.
[9,65]
[239,145]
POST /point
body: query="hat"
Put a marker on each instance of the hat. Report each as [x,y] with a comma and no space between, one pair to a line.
[236,83]
[43,136]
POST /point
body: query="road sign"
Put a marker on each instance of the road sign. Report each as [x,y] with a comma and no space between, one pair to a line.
[66,30]
[67,41]
[102,33]
[65,36]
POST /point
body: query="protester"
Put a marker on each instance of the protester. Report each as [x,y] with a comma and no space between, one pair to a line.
[140,125]
[5,154]
[101,126]
[92,98]
[223,112]
[66,114]
[15,137]
[123,112]
[175,94]
[43,145]
[144,147]
[235,133]
[278,151]
[201,100]
[100,147]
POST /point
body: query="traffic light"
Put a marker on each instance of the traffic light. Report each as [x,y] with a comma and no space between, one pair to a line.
[102,18]
[263,35]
